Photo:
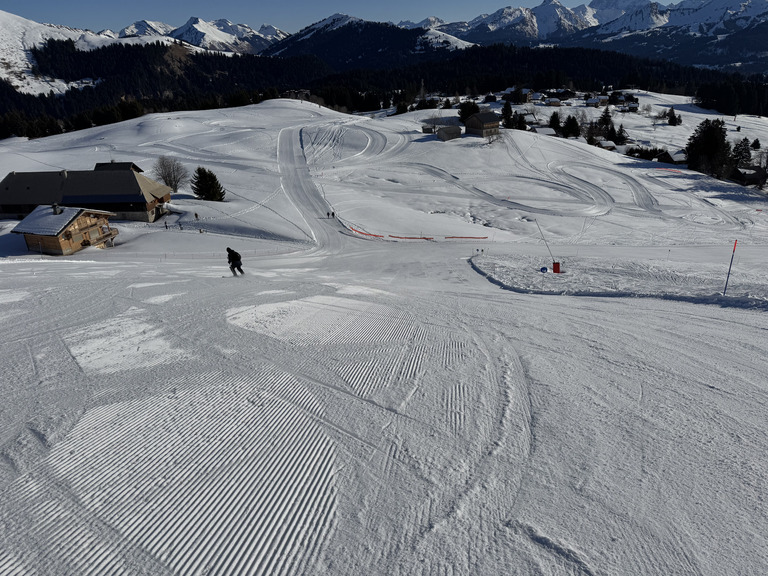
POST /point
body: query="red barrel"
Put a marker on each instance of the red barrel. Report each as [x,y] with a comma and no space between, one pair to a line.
[556,267]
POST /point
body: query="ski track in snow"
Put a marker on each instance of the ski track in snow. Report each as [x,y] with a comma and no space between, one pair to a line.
[352,406]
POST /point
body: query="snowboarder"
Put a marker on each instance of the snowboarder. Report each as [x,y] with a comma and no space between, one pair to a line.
[235,262]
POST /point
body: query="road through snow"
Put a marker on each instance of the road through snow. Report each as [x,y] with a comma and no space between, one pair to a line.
[372,407]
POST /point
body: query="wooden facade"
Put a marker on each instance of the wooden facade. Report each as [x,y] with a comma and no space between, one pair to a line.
[60,231]
[483,124]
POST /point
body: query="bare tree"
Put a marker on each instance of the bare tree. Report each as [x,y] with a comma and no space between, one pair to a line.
[495,137]
[171,172]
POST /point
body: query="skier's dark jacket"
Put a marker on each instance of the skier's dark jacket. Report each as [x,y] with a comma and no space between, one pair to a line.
[233,256]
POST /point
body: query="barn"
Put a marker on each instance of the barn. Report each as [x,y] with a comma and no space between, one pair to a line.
[118,187]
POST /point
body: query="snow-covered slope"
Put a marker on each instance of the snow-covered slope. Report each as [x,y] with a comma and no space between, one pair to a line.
[427,23]
[644,18]
[717,16]
[554,19]
[605,11]
[364,400]
[435,38]
[18,35]
[146,28]
[223,35]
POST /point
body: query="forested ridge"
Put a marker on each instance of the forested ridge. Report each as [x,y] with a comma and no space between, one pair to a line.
[129,81]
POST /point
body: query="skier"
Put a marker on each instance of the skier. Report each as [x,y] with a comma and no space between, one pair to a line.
[235,262]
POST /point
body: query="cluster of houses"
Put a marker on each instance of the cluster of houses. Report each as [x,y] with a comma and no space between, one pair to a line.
[64,211]
[487,123]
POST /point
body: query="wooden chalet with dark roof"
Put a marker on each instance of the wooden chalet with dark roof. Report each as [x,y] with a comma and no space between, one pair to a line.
[59,230]
[118,187]
[483,124]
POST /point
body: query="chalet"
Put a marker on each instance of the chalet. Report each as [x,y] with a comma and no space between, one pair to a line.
[606,145]
[118,187]
[599,101]
[296,94]
[446,133]
[517,95]
[679,157]
[553,102]
[750,175]
[545,130]
[483,124]
[59,230]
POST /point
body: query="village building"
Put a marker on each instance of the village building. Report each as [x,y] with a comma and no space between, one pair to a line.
[483,124]
[59,230]
[750,175]
[545,130]
[302,94]
[118,187]
[446,133]
[599,101]
[606,145]
[679,157]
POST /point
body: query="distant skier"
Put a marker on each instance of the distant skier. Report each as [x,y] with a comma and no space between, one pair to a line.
[235,262]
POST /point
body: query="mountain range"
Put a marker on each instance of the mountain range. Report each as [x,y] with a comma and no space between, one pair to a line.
[727,34]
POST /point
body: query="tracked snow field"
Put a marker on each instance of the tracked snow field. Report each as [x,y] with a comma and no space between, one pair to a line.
[396,388]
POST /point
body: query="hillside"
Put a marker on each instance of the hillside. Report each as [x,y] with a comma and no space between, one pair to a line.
[364,400]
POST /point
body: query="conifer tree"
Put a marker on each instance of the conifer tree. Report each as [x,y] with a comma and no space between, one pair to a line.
[708,149]
[742,153]
[554,122]
[506,115]
[206,185]
[672,118]
[571,127]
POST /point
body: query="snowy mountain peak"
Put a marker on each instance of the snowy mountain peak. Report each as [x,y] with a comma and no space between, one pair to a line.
[554,18]
[333,22]
[146,28]
[644,18]
[223,35]
[717,16]
[272,33]
[427,23]
[501,18]
[605,11]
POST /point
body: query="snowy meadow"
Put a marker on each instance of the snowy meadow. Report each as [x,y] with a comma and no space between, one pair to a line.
[404,387]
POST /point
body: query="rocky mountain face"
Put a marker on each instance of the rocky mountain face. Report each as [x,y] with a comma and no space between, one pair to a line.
[719,33]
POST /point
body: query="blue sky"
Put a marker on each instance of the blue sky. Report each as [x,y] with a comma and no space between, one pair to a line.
[288,15]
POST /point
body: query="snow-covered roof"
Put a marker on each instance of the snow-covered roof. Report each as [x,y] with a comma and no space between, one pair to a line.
[47,220]
[486,117]
[51,220]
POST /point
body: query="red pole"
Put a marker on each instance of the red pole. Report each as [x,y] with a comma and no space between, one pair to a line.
[729,267]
